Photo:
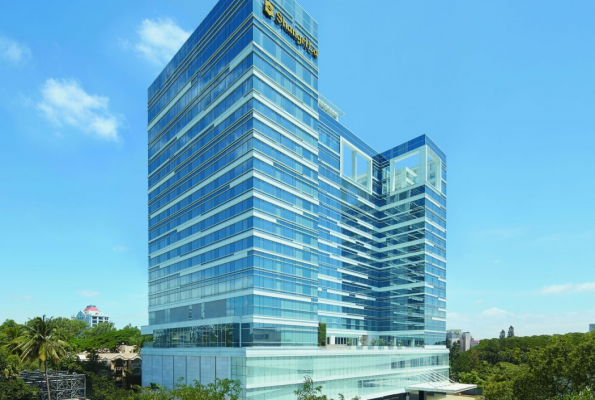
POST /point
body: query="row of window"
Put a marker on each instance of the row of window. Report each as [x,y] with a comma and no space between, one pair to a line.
[252,202]
[240,245]
[233,230]
[209,169]
[231,99]
[182,181]
[236,306]
[223,197]
[195,205]
[171,158]
[207,119]
[236,335]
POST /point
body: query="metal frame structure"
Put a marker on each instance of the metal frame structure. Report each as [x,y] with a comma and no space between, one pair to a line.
[63,385]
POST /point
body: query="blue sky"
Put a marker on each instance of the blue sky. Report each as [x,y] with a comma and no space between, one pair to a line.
[506,88]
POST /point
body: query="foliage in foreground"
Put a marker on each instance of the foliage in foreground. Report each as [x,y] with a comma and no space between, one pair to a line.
[16,389]
[55,343]
[221,389]
[586,394]
[310,392]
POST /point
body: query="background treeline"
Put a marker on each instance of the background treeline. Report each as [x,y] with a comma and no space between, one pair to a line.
[529,368]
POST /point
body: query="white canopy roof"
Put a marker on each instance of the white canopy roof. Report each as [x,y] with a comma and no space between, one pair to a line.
[434,382]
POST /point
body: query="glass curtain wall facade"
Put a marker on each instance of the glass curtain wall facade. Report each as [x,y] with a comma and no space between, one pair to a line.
[268,217]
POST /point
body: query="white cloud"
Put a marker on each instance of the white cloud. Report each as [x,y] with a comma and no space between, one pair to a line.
[14,52]
[159,40]
[119,248]
[554,289]
[65,102]
[585,287]
[88,293]
[25,297]
[569,288]
[494,312]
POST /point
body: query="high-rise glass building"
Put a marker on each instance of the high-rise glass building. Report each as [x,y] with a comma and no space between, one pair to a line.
[268,219]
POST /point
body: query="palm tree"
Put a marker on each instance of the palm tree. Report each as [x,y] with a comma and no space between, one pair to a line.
[41,341]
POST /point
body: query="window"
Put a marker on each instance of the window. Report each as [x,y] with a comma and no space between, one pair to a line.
[356,165]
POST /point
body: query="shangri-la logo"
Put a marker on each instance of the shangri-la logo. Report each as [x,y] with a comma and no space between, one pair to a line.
[268,9]
[300,40]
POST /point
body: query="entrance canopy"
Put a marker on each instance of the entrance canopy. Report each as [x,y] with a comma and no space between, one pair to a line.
[438,383]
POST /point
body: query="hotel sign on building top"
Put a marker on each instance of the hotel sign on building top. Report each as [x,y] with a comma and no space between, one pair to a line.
[300,40]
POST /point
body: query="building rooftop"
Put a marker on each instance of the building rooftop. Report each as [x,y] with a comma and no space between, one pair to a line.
[124,352]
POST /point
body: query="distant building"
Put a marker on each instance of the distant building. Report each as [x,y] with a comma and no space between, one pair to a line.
[465,341]
[117,363]
[591,327]
[453,336]
[92,316]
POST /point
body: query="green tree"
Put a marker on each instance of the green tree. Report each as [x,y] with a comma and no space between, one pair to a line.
[531,368]
[499,390]
[99,329]
[500,385]
[221,389]
[11,338]
[550,367]
[510,331]
[41,342]
[16,389]
[71,327]
[585,394]
[466,361]
[8,323]
[102,388]
[582,362]
[138,341]
[472,377]
[3,363]
[310,392]
[111,339]
[14,365]
[502,334]
[452,356]
[322,334]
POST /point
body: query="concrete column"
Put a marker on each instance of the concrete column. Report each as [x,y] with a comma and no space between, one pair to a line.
[423,164]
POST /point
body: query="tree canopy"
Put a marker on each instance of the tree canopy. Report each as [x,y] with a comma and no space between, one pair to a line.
[529,368]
